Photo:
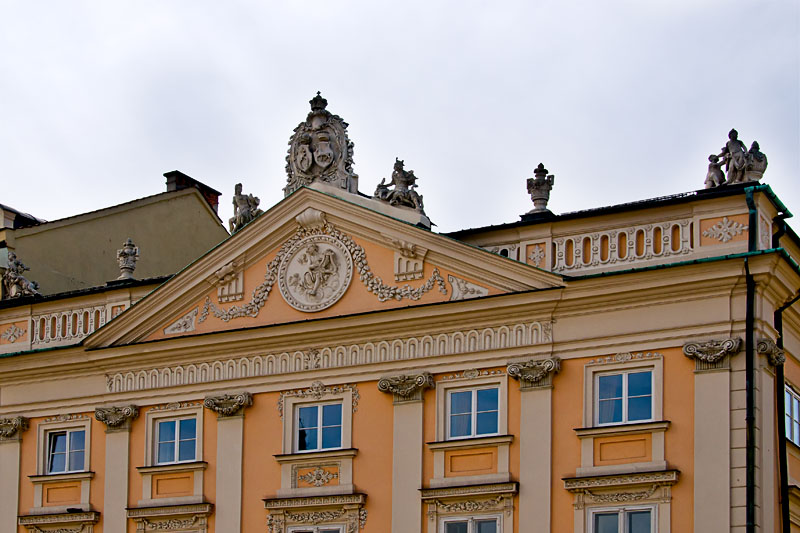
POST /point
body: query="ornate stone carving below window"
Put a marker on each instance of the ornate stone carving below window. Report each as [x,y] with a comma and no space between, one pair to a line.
[116,417]
[12,428]
[60,523]
[316,510]
[712,351]
[318,477]
[228,404]
[171,518]
[775,355]
[498,497]
[407,387]
[626,488]
[534,373]
[318,390]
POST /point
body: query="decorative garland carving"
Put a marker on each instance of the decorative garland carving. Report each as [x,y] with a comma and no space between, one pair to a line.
[405,386]
[373,283]
[622,497]
[318,477]
[317,391]
[472,373]
[228,404]
[66,418]
[174,406]
[12,333]
[78,529]
[116,417]
[530,373]
[10,427]
[775,355]
[624,357]
[712,351]
[470,506]
[315,517]
[170,525]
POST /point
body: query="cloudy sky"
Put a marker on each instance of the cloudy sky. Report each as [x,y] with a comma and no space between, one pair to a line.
[621,100]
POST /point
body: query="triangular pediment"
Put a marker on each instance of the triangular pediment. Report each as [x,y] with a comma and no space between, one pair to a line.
[313,256]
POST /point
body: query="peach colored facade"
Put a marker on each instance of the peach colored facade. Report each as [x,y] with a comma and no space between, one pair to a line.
[536,376]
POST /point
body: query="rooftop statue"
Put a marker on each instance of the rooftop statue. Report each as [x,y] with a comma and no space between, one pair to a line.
[15,285]
[741,165]
[403,194]
[245,209]
[126,258]
[319,150]
[539,187]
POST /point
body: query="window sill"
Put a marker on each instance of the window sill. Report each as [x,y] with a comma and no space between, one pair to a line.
[67,476]
[470,442]
[173,467]
[622,429]
[322,454]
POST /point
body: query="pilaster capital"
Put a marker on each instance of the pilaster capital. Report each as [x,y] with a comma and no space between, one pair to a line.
[11,428]
[226,405]
[775,355]
[535,372]
[407,387]
[712,351]
[116,417]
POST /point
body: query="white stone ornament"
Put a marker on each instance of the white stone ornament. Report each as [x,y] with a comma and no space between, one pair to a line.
[315,273]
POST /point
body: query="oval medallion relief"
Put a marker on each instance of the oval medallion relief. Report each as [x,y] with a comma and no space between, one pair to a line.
[315,273]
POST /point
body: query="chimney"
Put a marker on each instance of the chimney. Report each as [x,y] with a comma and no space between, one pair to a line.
[177,180]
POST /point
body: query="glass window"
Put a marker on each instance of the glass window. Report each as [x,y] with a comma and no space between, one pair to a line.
[66,451]
[623,521]
[624,397]
[319,427]
[792,408]
[472,525]
[473,412]
[319,529]
[176,440]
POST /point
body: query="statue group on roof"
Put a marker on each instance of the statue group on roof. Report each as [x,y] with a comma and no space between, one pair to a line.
[15,285]
[245,209]
[741,165]
[403,194]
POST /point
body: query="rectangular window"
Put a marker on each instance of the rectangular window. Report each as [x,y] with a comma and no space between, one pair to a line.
[792,409]
[472,413]
[472,525]
[624,397]
[176,441]
[66,451]
[319,427]
[623,521]
[319,529]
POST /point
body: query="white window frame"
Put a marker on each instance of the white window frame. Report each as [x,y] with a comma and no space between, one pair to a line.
[317,529]
[471,519]
[625,397]
[45,429]
[176,448]
[622,511]
[164,414]
[473,412]
[443,389]
[296,426]
[591,370]
[792,414]
[68,432]
[290,402]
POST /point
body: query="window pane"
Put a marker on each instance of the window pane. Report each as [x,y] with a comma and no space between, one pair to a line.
[639,408]
[788,427]
[796,435]
[796,412]
[58,442]
[307,439]
[640,383]
[609,411]
[609,386]
[461,425]
[77,440]
[188,428]
[486,526]
[332,415]
[455,527]
[461,402]
[166,452]
[76,460]
[639,522]
[487,400]
[166,431]
[606,523]
[307,417]
[186,450]
[332,437]
[487,423]
[58,462]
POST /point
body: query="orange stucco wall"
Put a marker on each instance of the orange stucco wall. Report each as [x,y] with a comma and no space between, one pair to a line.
[357,298]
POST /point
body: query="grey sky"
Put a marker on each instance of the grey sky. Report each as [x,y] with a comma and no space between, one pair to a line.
[621,100]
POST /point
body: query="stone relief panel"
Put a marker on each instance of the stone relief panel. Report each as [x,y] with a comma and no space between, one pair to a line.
[13,333]
[536,255]
[338,356]
[723,230]
[316,510]
[464,290]
[315,273]
[187,323]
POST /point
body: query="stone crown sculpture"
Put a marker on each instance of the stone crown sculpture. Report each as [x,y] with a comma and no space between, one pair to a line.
[741,165]
[539,187]
[403,194]
[319,150]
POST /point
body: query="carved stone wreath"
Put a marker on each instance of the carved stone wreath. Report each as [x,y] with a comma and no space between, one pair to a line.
[319,226]
[712,351]
[318,477]
[315,273]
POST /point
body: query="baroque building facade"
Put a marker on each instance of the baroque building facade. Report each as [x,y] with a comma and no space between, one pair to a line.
[334,366]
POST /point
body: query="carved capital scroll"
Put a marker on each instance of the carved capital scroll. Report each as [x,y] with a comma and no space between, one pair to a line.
[228,404]
[12,428]
[712,351]
[407,387]
[534,373]
[116,418]
[775,355]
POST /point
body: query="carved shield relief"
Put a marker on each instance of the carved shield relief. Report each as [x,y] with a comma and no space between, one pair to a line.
[315,274]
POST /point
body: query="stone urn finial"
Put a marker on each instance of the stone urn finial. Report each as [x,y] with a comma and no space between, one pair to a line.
[127,257]
[539,187]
